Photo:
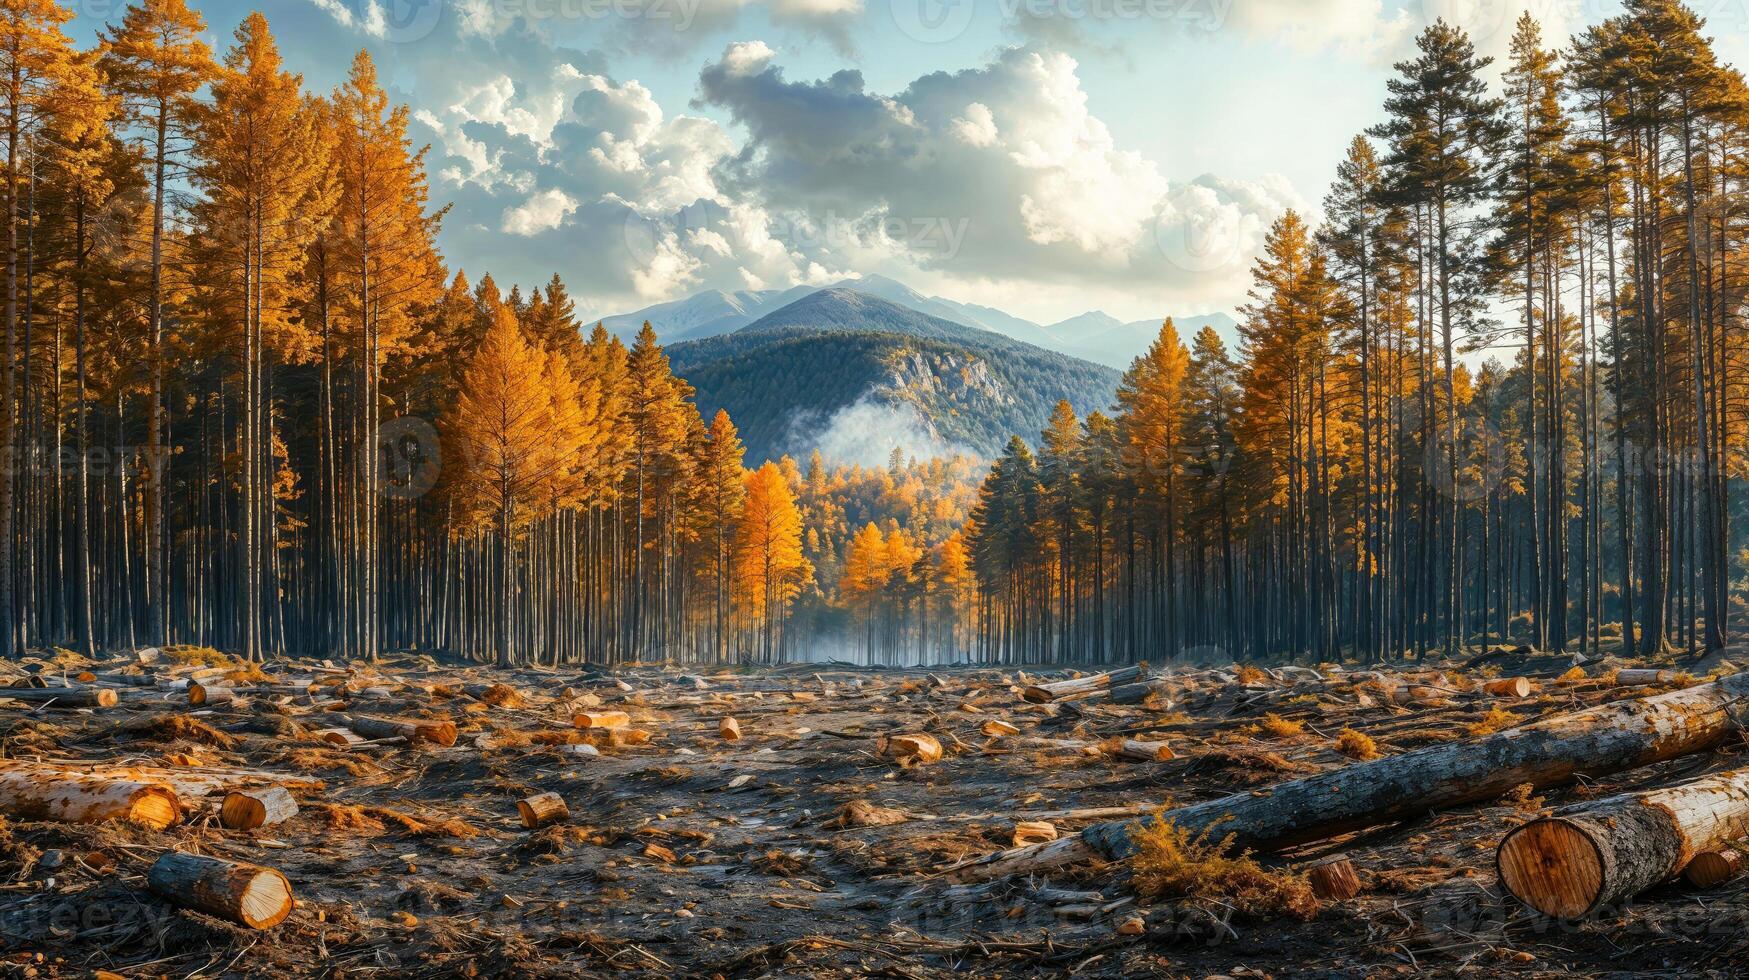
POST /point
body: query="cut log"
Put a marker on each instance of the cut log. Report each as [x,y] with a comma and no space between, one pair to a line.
[63,697]
[252,808]
[996,728]
[1599,853]
[246,894]
[210,694]
[341,738]
[1508,687]
[1553,751]
[1135,748]
[1334,878]
[541,809]
[730,730]
[1643,676]
[48,793]
[414,730]
[601,719]
[1709,868]
[914,750]
[1057,690]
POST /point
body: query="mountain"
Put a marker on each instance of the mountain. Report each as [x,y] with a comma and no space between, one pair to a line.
[706,314]
[1104,339]
[1093,336]
[856,375]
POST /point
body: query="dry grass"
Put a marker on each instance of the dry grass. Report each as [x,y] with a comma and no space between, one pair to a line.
[313,759]
[1171,863]
[1523,797]
[184,727]
[1356,745]
[1494,721]
[376,819]
[1280,727]
[1251,675]
[1574,675]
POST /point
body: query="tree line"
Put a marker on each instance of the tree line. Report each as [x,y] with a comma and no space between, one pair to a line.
[247,406]
[1496,390]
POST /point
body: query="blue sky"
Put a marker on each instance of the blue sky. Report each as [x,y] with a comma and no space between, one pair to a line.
[1043,156]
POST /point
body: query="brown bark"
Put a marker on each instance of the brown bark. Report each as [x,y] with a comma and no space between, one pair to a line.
[1607,738]
[1596,854]
[48,793]
[247,894]
[249,809]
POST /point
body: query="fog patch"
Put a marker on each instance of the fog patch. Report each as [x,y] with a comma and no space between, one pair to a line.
[866,431]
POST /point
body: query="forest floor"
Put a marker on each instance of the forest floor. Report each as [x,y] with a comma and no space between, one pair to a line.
[688,854]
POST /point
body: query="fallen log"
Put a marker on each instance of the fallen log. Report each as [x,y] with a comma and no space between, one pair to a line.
[49,793]
[252,808]
[414,730]
[247,894]
[199,694]
[1596,854]
[1074,686]
[1643,676]
[1135,693]
[1711,868]
[1603,739]
[1508,687]
[63,697]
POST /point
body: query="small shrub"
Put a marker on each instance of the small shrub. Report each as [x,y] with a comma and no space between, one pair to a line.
[1171,863]
[1495,720]
[1356,745]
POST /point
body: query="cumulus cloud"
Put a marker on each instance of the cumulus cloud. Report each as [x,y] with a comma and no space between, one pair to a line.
[1009,151]
[995,184]
[543,211]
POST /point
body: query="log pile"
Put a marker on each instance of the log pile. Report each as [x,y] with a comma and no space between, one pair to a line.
[820,819]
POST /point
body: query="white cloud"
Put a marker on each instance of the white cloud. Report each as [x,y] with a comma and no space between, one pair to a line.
[543,211]
[747,57]
[977,127]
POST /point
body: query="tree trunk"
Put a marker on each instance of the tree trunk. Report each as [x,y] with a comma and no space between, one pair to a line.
[1603,739]
[1594,855]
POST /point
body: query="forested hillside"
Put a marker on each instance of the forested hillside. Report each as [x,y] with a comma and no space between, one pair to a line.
[1385,465]
[786,377]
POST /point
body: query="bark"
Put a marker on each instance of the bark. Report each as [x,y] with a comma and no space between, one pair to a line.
[541,809]
[62,697]
[49,793]
[1600,853]
[413,730]
[1553,751]
[1058,690]
[247,894]
[249,809]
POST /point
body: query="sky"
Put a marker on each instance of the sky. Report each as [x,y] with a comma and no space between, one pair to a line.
[1046,157]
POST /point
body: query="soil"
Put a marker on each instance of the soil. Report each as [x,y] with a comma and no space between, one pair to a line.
[692,855]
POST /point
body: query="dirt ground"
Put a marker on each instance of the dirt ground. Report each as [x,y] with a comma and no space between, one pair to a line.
[688,854]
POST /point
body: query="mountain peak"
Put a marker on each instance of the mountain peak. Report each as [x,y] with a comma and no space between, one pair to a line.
[1091,320]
